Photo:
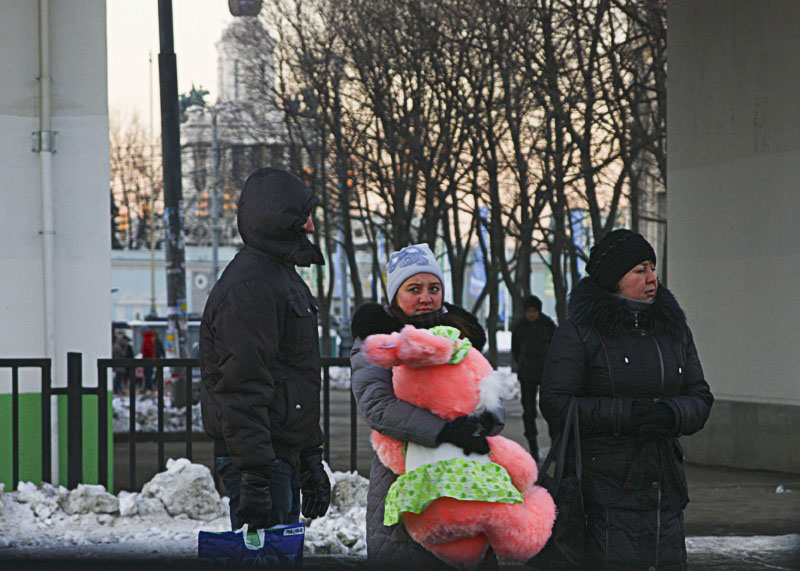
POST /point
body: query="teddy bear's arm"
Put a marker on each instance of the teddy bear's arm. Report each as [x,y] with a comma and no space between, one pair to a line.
[389,451]
[515,459]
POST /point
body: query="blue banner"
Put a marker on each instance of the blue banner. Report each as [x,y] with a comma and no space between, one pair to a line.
[477,280]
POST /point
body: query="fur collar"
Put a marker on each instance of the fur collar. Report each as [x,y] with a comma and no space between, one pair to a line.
[611,315]
[372,318]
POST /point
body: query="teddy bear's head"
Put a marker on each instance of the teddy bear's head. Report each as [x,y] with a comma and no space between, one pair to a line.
[436,370]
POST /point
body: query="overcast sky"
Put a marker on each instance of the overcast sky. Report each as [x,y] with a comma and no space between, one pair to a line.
[133,32]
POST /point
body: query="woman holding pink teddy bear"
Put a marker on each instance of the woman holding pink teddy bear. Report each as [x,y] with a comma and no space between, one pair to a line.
[415,288]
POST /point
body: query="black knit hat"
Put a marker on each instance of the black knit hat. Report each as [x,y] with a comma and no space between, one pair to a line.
[533,301]
[615,255]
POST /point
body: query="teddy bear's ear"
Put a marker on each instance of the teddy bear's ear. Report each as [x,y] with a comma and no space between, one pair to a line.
[421,348]
[381,350]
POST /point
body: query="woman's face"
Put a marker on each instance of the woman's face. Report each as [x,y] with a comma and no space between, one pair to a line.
[421,293]
[639,283]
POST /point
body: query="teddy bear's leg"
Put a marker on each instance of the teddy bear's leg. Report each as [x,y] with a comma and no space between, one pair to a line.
[515,459]
[466,553]
[446,519]
[519,531]
[390,452]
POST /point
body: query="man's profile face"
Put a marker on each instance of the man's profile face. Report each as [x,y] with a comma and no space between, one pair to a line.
[531,314]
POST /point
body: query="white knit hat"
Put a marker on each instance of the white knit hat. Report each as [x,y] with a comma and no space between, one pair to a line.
[411,260]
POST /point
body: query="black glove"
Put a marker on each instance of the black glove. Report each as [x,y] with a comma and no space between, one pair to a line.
[314,485]
[255,501]
[467,432]
[488,420]
[649,417]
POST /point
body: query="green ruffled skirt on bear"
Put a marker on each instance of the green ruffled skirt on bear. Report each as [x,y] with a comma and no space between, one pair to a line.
[458,478]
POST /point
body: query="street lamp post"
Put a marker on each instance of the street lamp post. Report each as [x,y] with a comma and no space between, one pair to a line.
[214,198]
[152,212]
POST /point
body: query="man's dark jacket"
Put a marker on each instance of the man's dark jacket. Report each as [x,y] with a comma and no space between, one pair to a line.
[259,348]
[609,352]
[530,341]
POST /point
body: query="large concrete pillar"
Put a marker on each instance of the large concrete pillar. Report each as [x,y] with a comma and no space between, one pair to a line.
[73,186]
[734,219]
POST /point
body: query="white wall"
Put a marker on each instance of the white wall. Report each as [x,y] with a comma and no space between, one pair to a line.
[80,183]
[734,190]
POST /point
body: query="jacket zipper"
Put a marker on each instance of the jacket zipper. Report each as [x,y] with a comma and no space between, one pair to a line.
[658,527]
[661,363]
[658,509]
[618,403]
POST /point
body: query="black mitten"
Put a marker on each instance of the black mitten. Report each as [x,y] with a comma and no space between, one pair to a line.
[314,485]
[466,432]
[255,501]
[651,416]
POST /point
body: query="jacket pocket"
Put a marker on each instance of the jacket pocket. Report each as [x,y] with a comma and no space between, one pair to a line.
[302,324]
[606,464]
[607,457]
[680,472]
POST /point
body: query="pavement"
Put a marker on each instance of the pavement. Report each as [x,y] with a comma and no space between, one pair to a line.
[725,502]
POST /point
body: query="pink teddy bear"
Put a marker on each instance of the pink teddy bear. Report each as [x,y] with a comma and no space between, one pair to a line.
[515,517]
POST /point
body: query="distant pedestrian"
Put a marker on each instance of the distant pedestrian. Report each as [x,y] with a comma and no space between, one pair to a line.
[260,360]
[530,340]
[152,348]
[121,349]
[627,354]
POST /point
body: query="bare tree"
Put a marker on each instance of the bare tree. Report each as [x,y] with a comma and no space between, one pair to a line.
[547,112]
[135,169]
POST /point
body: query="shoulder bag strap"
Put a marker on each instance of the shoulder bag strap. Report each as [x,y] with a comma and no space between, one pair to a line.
[558,449]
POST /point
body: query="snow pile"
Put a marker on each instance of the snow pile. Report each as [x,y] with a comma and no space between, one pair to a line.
[161,521]
[164,519]
[343,529]
[46,516]
[147,415]
[185,488]
[340,378]
[747,552]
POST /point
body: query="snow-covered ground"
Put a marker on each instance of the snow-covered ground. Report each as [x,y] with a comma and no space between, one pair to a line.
[162,522]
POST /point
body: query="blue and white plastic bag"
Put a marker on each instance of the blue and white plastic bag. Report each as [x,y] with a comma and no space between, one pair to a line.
[281,545]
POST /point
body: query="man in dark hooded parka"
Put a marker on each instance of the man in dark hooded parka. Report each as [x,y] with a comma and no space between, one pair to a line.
[260,360]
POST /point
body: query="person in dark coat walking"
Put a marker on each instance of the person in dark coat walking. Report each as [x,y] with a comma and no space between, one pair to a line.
[414,286]
[530,340]
[151,349]
[627,354]
[121,349]
[260,360]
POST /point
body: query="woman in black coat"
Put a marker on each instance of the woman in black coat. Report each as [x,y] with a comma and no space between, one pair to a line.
[628,356]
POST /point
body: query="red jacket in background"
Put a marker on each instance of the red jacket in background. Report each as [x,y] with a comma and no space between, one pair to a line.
[148,345]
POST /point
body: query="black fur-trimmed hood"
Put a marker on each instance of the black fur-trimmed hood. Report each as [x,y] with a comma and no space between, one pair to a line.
[611,315]
[372,318]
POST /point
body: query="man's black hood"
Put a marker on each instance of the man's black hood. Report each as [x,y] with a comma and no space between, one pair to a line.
[273,207]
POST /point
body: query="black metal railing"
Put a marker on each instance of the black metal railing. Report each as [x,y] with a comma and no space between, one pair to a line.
[327,363]
[103,365]
[45,367]
[181,369]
